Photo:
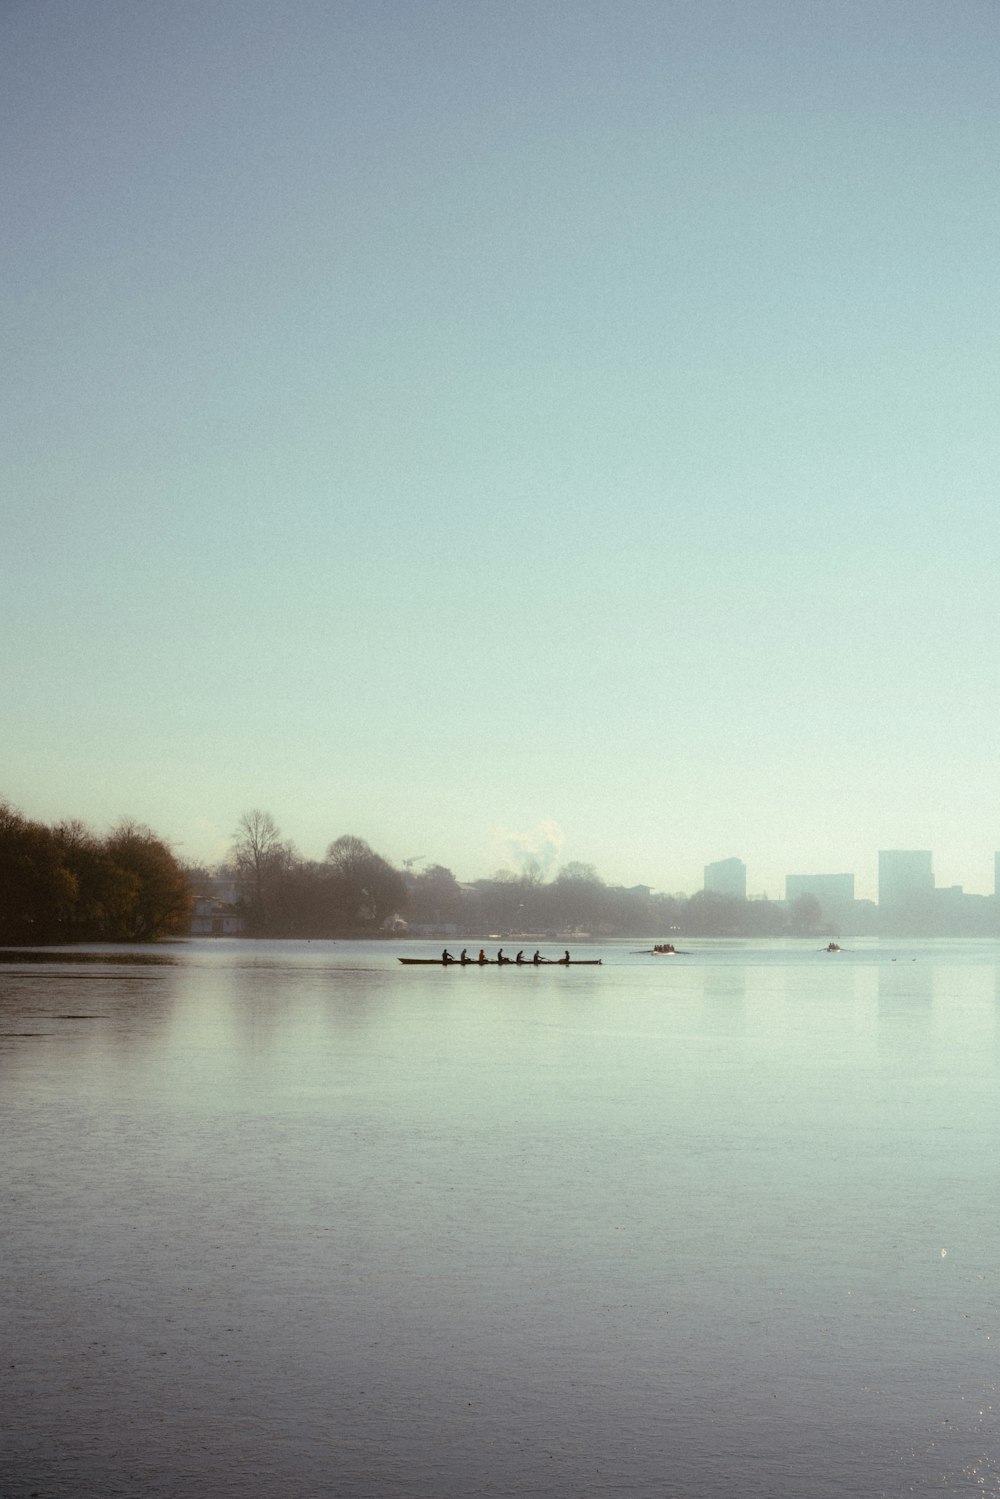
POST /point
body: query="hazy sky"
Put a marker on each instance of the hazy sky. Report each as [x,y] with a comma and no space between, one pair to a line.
[487,427]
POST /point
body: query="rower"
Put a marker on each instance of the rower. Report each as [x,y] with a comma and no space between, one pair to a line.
[566,956]
[520,956]
[482,956]
[464,955]
[538,957]
[446,957]
[500,956]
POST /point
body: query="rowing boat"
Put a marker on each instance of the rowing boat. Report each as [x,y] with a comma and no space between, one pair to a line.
[504,963]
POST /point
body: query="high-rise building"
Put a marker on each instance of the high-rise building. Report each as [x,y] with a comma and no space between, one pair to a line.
[727,877]
[905,879]
[835,893]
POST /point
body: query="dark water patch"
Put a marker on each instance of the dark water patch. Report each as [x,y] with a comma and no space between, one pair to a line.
[41,976]
[56,955]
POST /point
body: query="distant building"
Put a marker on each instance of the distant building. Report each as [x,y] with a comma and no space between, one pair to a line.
[904,875]
[217,911]
[834,892]
[958,914]
[905,889]
[727,877]
[215,918]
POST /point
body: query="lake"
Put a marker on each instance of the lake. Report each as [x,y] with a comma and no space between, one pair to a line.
[291,1220]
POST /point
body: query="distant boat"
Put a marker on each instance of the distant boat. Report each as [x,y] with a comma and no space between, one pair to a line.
[833,947]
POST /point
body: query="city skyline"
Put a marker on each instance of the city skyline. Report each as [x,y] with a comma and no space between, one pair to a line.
[554,431]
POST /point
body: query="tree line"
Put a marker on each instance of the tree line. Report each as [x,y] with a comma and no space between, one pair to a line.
[64,883]
[352,890]
[356,890]
[578,900]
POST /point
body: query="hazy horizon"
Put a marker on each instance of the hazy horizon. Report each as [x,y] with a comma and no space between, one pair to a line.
[564,431]
[539,852]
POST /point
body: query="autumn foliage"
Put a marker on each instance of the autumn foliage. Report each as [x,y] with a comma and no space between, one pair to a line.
[66,884]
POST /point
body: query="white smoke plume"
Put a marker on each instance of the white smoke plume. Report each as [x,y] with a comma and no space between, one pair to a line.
[540,847]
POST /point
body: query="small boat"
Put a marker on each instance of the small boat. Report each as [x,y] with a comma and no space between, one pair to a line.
[833,947]
[504,963]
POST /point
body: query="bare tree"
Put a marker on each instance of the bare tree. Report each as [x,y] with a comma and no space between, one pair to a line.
[436,896]
[370,888]
[258,853]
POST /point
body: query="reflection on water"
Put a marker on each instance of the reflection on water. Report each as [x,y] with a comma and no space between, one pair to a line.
[725,991]
[906,1012]
[289,1219]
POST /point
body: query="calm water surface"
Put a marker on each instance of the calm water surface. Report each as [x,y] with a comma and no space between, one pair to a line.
[290,1220]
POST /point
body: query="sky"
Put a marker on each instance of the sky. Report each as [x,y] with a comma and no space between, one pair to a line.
[506,429]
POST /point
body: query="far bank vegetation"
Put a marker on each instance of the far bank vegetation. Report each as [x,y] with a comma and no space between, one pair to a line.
[356,891]
[66,883]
